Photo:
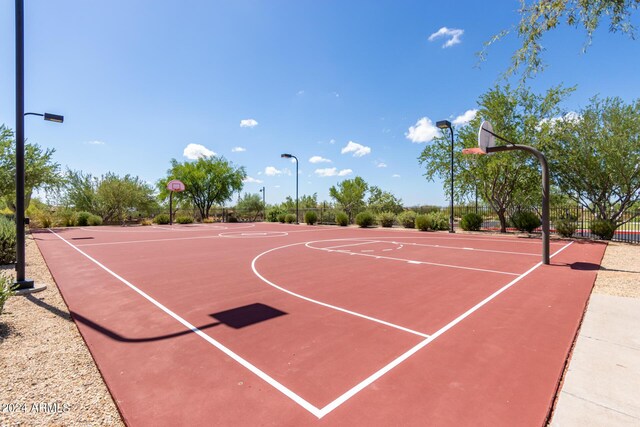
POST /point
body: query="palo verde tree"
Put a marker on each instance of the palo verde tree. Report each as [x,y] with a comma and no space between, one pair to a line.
[538,17]
[508,180]
[41,172]
[250,205]
[209,181]
[349,194]
[383,201]
[594,157]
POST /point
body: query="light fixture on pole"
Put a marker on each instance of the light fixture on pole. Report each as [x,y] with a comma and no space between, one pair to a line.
[446,124]
[291,156]
[264,206]
[24,285]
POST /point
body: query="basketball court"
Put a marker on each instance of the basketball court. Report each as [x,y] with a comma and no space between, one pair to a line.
[272,324]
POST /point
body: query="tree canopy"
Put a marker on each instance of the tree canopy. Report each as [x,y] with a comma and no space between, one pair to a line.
[250,205]
[349,194]
[209,181]
[383,201]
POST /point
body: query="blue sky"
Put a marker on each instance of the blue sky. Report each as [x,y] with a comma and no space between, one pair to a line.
[339,84]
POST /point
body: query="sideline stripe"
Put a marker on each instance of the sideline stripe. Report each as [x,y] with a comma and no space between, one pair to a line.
[359,387]
[284,390]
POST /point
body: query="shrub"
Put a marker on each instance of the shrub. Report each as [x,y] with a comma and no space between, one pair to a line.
[95,220]
[342,219]
[471,222]
[146,221]
[273,214]
[7,241]
[365,219]
[232,218]
[565,227]
[6,290]
[208,220]
[290,218]
[82,219]
[66,217]
[439,221]
[603,228]
[387,219]
[42,219]
[423,223]
[162,219]
[407,219]
[310,217]
[282,217]
[184,219]
[525,221]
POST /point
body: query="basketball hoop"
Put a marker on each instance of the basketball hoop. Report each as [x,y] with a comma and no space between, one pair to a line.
[175,185]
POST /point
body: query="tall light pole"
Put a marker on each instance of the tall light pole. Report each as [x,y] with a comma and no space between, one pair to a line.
[444,124]
[264,206]
[291,156]
[22,282]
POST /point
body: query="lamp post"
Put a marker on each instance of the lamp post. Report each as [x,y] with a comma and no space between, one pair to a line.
[264,206]
[22,283]
[446,124]
[291,156]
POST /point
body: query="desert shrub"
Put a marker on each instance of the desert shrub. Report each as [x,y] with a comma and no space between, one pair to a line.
[525,221]
[423,222]
[310,217]
[146,221]
[7,241]
[162,219]
[232,218]
[342,219]
[6,289]
[184,219]
[273,214]
[471,221]
[95,220]
[365,219]
[387,219]
[82,218]
[439,221]
[407,219]
[289,218]
[565,227]
[42,219]
[208,220]
[604,229]
[282,217]
[66,217]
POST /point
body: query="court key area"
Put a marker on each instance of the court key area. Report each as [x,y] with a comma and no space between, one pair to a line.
[273,324]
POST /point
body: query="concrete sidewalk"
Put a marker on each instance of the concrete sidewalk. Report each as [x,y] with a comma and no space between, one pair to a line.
[602,384]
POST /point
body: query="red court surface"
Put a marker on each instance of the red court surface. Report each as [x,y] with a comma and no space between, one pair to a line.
[271,324]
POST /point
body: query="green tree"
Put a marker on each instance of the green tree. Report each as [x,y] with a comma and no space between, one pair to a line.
[594,157]
[116,197]
[504,180]
[41,172]
[251,205]
[80,191]
[383,201]
[309,202]
[209,181]
[349,194]
[541,16]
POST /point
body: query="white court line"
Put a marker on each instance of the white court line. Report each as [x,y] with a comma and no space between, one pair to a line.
[459,248]
[438,235]
[410,261]
[278,386]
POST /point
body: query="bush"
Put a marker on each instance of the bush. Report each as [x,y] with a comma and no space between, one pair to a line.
[7,241]
[282,217]
[365,219]
[290,218]
[6,290]
[439,221]
[208,220]
[471,222]
[407,219]
[310,217]
[565,227]
[273,214]
[525,221]
[66,217]
[146,221]
[603,228]
[95,220]
[342,219]
[42,219]
[423,223]
[161,219]
[184,219]
[387,219]
[82,219]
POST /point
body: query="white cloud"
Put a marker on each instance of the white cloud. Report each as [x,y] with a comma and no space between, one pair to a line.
[465,118]
[272,171]
[571,116]
[196,151]
[95,142]
[300,93]
[332,172]
[395,175]
[318,159]
[423,131]
[332,141]
[452,34]
[238,149]
[248,123]
[358,150]
[252,180]
[381,165]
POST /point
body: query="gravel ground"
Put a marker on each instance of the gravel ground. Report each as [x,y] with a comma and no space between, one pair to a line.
[48,377]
